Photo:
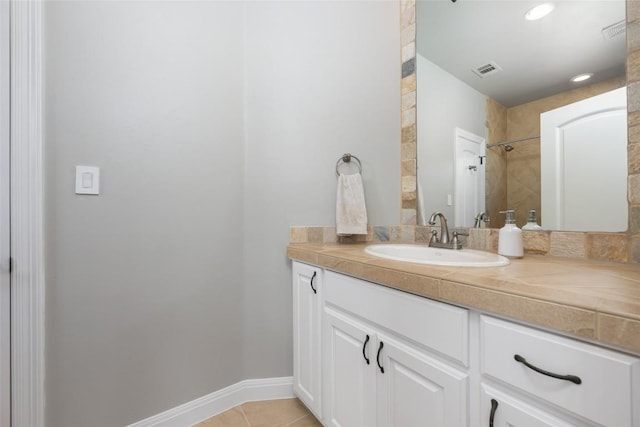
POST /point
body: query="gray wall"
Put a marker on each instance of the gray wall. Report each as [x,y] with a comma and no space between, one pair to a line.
[216,126]
[445,103]
[323,79]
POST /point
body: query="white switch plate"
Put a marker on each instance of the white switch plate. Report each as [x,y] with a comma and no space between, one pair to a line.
[87,180]
[449,200]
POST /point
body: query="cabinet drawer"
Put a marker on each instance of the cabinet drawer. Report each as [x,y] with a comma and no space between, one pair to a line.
[443,328]
[501,409]
[607,378]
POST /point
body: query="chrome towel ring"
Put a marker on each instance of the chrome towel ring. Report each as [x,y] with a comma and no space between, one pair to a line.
[346,158]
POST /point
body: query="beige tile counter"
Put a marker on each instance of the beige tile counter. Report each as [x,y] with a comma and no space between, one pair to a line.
[597,301]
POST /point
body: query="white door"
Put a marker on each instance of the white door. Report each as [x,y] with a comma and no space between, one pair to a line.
[415,390]
[348,372]
[5,295]
[469,177]
[583,160]
[307,283]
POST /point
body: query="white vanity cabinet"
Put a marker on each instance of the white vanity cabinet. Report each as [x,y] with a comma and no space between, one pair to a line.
[366,355]
[391,358]
[307,315]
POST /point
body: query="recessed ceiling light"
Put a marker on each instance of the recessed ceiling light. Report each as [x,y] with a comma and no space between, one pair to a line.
[581,77]
[539,11]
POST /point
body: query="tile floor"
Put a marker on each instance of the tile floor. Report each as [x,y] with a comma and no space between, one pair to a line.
[266,413]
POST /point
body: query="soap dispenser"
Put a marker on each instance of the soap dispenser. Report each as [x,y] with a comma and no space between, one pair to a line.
[510,237]
[532,223]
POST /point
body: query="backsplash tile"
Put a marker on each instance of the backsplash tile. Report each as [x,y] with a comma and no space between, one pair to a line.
[315,235]
[329,235]
[299,235]
[381,233]
[395,233]
[607,247]
[536,242]
[634,255]
[568,244]
[617,247]
[423,234]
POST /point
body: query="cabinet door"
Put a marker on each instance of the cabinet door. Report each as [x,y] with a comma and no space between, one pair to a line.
[348,372]
[501,409]
[307,310]
[416,390]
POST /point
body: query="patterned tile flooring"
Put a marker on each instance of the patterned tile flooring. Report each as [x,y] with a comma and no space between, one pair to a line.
[266,413]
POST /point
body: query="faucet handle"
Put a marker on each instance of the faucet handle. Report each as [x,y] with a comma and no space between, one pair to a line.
[455,241]
[434,237]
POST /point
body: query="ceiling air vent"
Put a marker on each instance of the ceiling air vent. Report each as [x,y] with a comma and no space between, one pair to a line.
[487,70]
[614,30]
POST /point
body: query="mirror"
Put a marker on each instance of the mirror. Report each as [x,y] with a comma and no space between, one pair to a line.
[484,77]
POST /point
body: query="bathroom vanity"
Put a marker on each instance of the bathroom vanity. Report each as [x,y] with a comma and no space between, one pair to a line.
[437,351]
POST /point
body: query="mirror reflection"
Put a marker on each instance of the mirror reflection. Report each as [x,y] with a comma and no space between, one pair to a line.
[501,125]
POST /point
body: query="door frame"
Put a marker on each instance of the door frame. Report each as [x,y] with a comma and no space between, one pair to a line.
[461,134]
[5,223]
[27,214]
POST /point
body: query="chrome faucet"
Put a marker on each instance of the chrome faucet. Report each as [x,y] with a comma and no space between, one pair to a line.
[444,241]
[479,219]
[444,230]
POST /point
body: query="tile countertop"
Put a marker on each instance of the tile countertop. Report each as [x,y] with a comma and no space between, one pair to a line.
[596,301]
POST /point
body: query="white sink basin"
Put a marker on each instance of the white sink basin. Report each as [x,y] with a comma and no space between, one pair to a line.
[435,256]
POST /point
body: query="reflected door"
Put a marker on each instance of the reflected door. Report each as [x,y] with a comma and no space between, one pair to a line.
[583,156]
[469,177]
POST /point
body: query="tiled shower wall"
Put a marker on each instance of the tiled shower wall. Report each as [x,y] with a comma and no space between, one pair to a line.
[624,247]
[515,176]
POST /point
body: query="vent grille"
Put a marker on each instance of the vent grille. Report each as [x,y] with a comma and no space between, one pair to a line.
[487,70]
[614,30]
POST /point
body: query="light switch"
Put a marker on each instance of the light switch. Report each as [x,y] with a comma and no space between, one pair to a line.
[87,180]
[449,200]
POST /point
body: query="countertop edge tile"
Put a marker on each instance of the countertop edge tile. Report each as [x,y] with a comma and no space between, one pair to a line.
[620,331]
[488,289]
[575,321]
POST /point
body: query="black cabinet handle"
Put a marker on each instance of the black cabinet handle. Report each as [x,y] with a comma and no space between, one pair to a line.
[378,357]
[364,347]
[492,414]
[313,277]
[574,379]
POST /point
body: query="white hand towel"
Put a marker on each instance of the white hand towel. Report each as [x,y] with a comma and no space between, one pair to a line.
[351,211]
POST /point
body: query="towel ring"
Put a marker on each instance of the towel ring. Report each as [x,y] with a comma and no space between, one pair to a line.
[346,158]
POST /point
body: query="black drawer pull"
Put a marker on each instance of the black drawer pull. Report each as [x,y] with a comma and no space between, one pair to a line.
[574,379]
[364,347]
[378,357]
[313,277]
[492,414]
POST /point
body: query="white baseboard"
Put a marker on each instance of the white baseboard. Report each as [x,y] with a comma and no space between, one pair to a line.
[219,401]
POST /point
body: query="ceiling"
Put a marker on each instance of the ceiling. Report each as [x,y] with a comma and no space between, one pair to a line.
[537,58]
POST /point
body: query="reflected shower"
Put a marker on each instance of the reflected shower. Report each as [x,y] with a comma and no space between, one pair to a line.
[508,144]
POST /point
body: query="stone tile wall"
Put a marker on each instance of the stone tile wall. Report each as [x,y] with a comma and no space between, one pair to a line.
[594,246]
[633,106]
[408,147]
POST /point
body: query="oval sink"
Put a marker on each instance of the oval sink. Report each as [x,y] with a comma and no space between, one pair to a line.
[435,256]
